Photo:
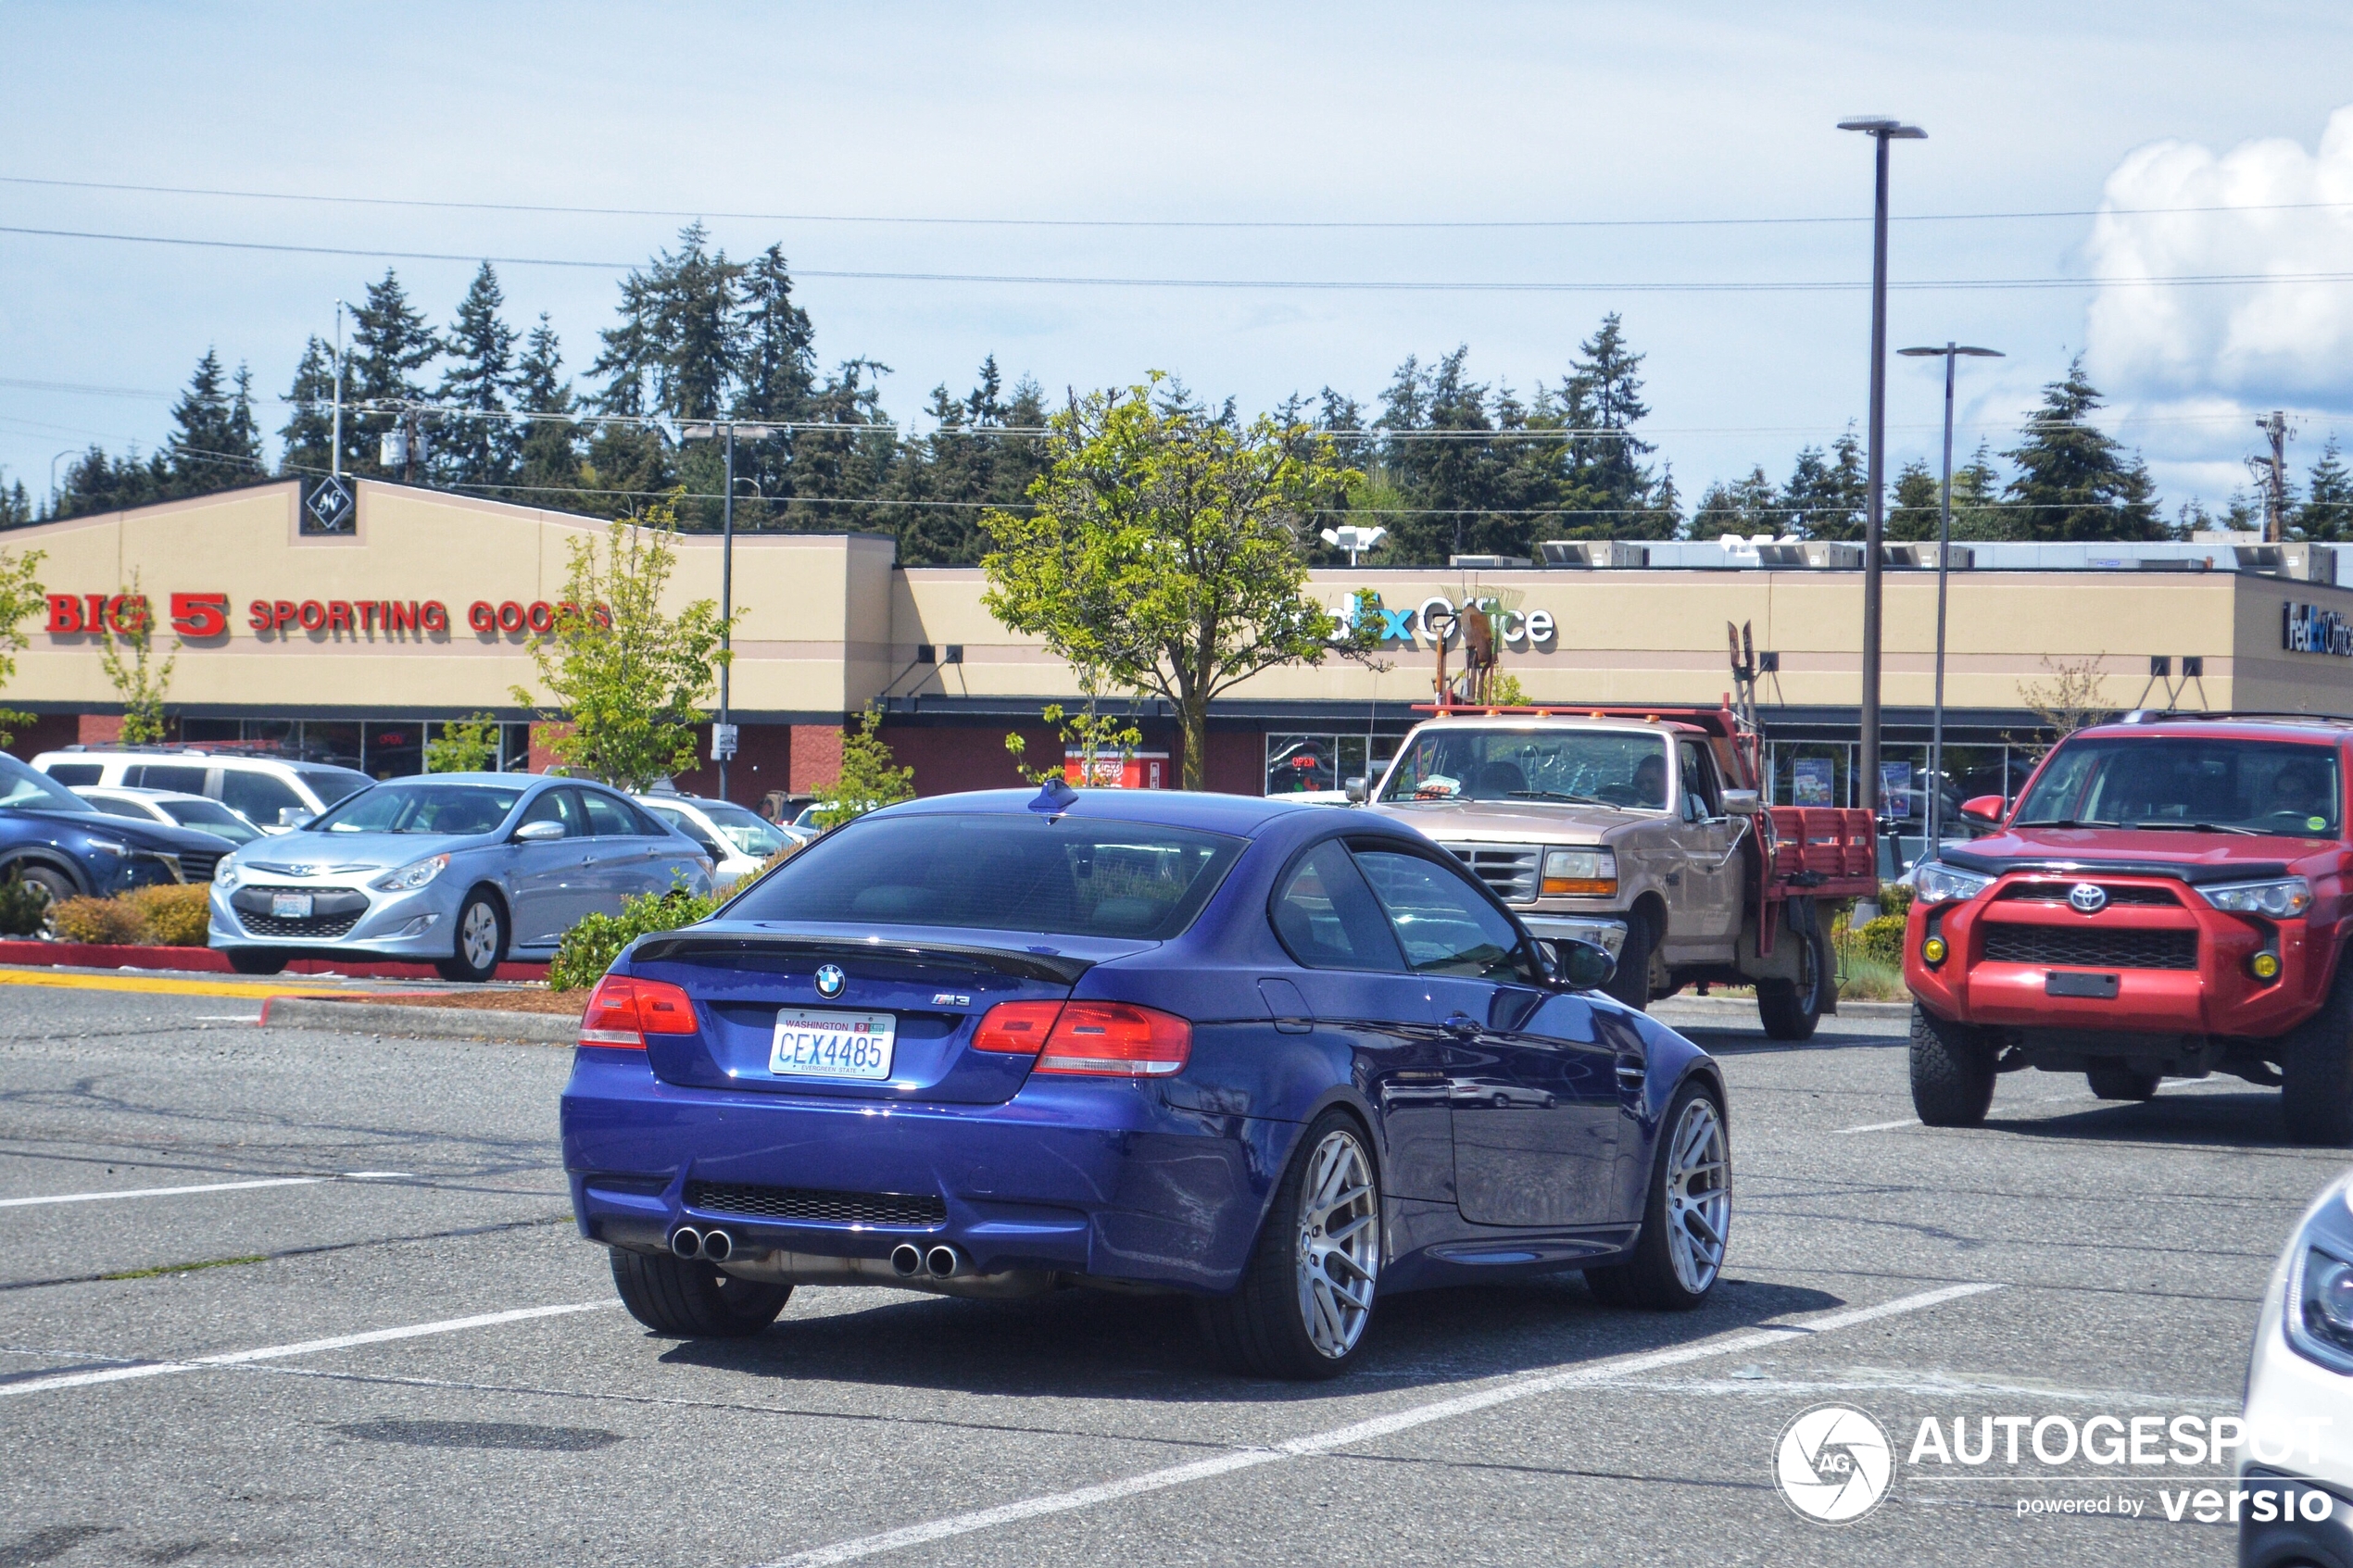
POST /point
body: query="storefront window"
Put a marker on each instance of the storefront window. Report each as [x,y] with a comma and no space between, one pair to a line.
[1812,774]
[1296,763]
[394,750]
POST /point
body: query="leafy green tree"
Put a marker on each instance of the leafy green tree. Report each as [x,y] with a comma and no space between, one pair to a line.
[21,596]
[869,779]
[2074,481]
[142,686]
[628,681]
[1165,551]
[309,434]
[481,376]
[464,746]
[2327,511]
[391,344]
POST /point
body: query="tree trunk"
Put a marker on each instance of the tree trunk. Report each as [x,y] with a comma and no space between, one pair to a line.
[1192,716]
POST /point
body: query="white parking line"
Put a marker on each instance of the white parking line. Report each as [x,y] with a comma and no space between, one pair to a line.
[302,1348]
[1525,1386]
[1882,1126]
[160,1192]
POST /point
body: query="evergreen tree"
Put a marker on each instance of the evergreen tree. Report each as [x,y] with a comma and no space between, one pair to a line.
[549,459]
[1745,506]
[96,482]
[245,431]
[2075,482]
[2327,511]
[1977,508]
[1609,481]
[309,429]
[390,345]
[16,507]
[1829,493]
[1919,499]
[1435,452]
[680,328]
[481,376]
[213,445]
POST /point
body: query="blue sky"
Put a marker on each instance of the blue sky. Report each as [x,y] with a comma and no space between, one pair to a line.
[1339,113]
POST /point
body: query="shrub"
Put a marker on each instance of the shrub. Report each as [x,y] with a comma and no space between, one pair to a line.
[103,920]
[590,949]
[173,915]
[24,906]
[1895,898]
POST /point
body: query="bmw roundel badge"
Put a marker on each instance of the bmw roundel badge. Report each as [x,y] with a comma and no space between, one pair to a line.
[2089,897]
[830,981]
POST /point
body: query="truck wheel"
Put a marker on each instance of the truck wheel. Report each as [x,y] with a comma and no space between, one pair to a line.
[2113,1080]
[1952,1071]
[1631,983]
[2315,1070]
[1792,1007]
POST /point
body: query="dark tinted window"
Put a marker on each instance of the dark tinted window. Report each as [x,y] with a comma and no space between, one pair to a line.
[166,776]
[115,807]
[1327,917]
[2168,783]
[258,796]
[1443,923]
[1075,877]
[331,785]
[75,772]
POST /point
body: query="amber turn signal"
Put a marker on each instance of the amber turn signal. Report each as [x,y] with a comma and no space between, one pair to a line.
[1933,950]
[2264,966]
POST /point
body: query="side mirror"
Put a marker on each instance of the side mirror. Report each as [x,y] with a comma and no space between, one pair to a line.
[1584,966]
[539,832]
[1986,808]
[294,816]
[1743,803]
[1356,791]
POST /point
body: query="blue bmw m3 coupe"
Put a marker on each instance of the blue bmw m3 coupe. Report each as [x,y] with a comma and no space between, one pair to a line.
[1282,1059]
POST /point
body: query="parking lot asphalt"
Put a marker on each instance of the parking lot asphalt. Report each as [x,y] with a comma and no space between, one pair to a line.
[398,1352]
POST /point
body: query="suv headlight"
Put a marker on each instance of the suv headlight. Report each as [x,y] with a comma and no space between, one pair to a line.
[1940,883]
[412,876]
[1589,874]
[2281,899]
[109,846]
[2320,1286]
[224,873]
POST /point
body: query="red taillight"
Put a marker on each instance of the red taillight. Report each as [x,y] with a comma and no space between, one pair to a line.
[1019,1028]
[1117,1038]
[623,1011]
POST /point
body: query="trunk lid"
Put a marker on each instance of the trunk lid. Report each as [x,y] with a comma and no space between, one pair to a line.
[933,985]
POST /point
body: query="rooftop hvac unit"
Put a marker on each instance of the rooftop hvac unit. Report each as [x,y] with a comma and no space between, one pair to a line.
[1487,563]
[2299,562]
[1815,555]
[1592,553]
[1957,558]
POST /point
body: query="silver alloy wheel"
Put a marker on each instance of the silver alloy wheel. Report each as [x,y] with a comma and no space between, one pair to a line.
[1699,1196]
[478,937]
[1339,1244]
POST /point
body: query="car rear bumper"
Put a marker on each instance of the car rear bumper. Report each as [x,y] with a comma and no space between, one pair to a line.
[1098,1178]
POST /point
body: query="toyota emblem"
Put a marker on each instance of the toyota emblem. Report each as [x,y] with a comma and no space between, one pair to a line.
[830,979]
[2087,897]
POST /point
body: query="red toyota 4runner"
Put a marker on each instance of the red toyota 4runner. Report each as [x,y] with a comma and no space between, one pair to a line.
[2169,897]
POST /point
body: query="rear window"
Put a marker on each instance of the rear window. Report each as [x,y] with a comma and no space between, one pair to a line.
[2271,787]
[75,772]
[1070,877]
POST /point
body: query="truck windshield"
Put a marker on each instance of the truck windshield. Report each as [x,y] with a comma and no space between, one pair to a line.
[2203,785]
[1623,768]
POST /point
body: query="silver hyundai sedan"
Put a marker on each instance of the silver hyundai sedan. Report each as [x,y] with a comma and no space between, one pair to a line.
[460,871]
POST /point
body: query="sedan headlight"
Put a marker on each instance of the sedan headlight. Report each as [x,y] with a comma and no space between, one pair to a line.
[1591,873]
[1940,883]
[2320,1293]
[2281,899]
[224,873]
[412,876]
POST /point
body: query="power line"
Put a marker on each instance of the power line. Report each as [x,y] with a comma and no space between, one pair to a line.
[1278,284]
[1243,223]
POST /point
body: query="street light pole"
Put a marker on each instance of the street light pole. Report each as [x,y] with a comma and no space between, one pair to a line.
[1881,130]
[334,442]
[726,604]
[1950,352]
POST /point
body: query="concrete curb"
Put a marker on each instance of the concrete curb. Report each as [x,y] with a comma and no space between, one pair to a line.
[390,1017]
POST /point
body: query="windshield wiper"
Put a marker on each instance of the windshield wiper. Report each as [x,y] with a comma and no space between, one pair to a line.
[1559,795]
[2068,822]
[2194,827]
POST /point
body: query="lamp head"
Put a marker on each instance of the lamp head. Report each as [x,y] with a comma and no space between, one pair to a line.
[1881,125]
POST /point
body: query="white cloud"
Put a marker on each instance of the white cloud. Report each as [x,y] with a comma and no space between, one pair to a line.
[2255,345]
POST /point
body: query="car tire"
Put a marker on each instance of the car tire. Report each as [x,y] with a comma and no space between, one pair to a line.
[2113,1080]
[692,1299]
[1306,1297]
[1631,983]
[1792,1008]
[1952,1071]
[1676,1262]
[55,885]
[256,960]
[480,933]
[2315,1070]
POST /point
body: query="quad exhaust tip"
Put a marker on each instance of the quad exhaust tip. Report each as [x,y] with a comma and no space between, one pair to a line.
[906,1260]
[943,1262]
[685,1241]
[715,1245]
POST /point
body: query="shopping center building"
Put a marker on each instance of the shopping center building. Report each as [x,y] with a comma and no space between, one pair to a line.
[352,643]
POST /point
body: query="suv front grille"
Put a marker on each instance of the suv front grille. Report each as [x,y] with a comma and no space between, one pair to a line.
[2118,893]
[2090,947]
[1509,869]
[809,1203]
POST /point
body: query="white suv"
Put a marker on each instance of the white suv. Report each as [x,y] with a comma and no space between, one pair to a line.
[269,791]
[739,842]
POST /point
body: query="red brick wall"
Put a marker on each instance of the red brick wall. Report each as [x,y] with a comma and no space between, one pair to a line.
[49,731]
[99,729]
[951,758]
[543,739]
[1237,762]
[762,762]
[815,758]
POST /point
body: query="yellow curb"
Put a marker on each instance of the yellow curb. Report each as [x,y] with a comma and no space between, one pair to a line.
[158,983]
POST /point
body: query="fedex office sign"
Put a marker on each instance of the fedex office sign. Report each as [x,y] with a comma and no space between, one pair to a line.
[1440,618]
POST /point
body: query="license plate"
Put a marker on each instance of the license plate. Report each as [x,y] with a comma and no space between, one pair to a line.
[2100,987]
[290,906]
[833,1045]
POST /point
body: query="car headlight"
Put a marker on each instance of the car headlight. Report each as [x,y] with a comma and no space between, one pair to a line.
[2319,1290]
[2281,899]
[412,876]
[1581,873]
[1940,883]
[109,846]
[224,873]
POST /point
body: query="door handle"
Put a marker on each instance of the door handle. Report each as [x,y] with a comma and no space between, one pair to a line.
[1463,1026]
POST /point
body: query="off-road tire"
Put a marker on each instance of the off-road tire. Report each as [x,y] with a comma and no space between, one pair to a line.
[256,960]
[1646,1278]
[1790,1009]
[693,1300]
[2114,1080]
[1631,983]
[2316,1069]
[1259,1329]
[1952,1071]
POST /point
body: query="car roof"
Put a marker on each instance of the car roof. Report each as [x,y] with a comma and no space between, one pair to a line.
[171,753]
[1555,722]
[1239,814]
[2316,730]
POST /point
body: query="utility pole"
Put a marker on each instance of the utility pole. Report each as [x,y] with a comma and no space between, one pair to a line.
[334,442]
[2272,473]
[725,736]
